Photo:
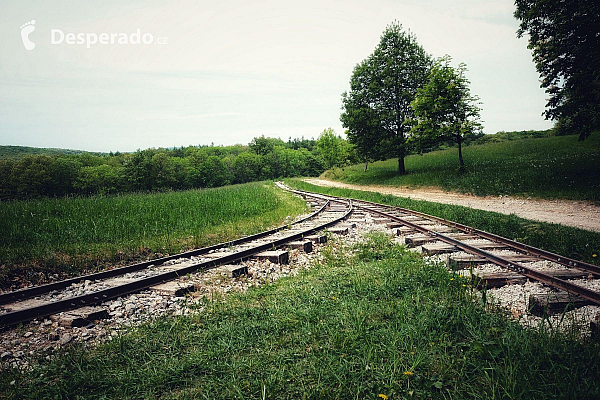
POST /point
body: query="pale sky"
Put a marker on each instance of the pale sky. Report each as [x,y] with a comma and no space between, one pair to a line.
[232,70]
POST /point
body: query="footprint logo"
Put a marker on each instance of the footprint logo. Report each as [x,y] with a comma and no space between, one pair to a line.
[26,29]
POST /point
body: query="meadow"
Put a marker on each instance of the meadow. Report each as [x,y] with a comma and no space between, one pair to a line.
[370,322]
[54,238]
[551,167]
[565,240]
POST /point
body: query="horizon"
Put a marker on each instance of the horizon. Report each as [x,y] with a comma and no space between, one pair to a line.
[232,71]
[193,145]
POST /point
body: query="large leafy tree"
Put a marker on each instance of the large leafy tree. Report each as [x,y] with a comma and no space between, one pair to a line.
[377,109]
[444,108]
[565,37]
[364,130]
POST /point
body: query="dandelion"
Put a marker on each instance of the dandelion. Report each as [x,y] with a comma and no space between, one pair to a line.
[594,255]
[383,396]
[464,285]
[408,373]
[451,279]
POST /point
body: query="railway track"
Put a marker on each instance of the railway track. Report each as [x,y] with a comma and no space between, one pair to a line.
[84,291]
[463,246]
[572,283]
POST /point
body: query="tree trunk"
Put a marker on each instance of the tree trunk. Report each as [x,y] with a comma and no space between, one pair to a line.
[401,169]
[460,157]
[401,151]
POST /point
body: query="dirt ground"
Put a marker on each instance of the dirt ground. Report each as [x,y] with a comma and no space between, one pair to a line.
[580,214]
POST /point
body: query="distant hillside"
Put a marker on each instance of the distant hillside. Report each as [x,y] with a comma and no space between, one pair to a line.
[22,151]
[546,167]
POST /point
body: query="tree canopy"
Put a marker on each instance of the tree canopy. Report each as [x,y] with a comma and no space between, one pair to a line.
[444,108]
[335,151]
[565,37]
[58,174]
[377,109]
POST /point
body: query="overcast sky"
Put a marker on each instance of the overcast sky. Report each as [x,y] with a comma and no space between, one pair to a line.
[233,70]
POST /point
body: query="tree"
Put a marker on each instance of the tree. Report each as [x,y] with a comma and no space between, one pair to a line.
[330,148]
[364,130]
[444,108]
[377,108]
[264,145]
[99,179]
[565,37]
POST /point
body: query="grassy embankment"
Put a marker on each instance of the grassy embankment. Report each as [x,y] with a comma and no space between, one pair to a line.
[373,323]
[553,167]
[66,236]
[568,241]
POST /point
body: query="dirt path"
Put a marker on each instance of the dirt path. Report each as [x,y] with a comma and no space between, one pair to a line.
[579,214]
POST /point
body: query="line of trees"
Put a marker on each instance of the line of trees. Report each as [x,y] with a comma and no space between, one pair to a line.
[191,167]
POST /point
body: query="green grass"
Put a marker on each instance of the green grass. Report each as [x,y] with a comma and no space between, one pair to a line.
[553,167]
[380,321]
[567,241]
[66,236]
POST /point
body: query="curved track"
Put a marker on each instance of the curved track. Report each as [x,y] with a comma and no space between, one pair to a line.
[443,236]
[27,304]
[435,235]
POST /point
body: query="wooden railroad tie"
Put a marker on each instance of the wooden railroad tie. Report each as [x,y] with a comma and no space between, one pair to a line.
[80,317]
[339,231]
[499,279]
[438,248]
[416,241]
[304,245]
[318,239]
[555,303]
[403,231]
[275,256]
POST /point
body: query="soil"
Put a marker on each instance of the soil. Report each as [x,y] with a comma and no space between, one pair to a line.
[579,214]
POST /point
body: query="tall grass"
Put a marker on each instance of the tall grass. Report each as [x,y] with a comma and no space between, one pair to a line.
[377,324]
[565,240]
[46,236]
[553,167]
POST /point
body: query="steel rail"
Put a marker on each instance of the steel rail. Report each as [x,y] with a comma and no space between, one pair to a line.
[530,250]
[27,293]
[523,270]
[25,315]
[569,287]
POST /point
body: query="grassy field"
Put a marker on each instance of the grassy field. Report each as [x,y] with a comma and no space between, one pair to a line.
[66,236]
[375,323]
[567,241]
[553,167]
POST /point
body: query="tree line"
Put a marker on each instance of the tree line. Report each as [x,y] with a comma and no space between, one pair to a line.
[159,169]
